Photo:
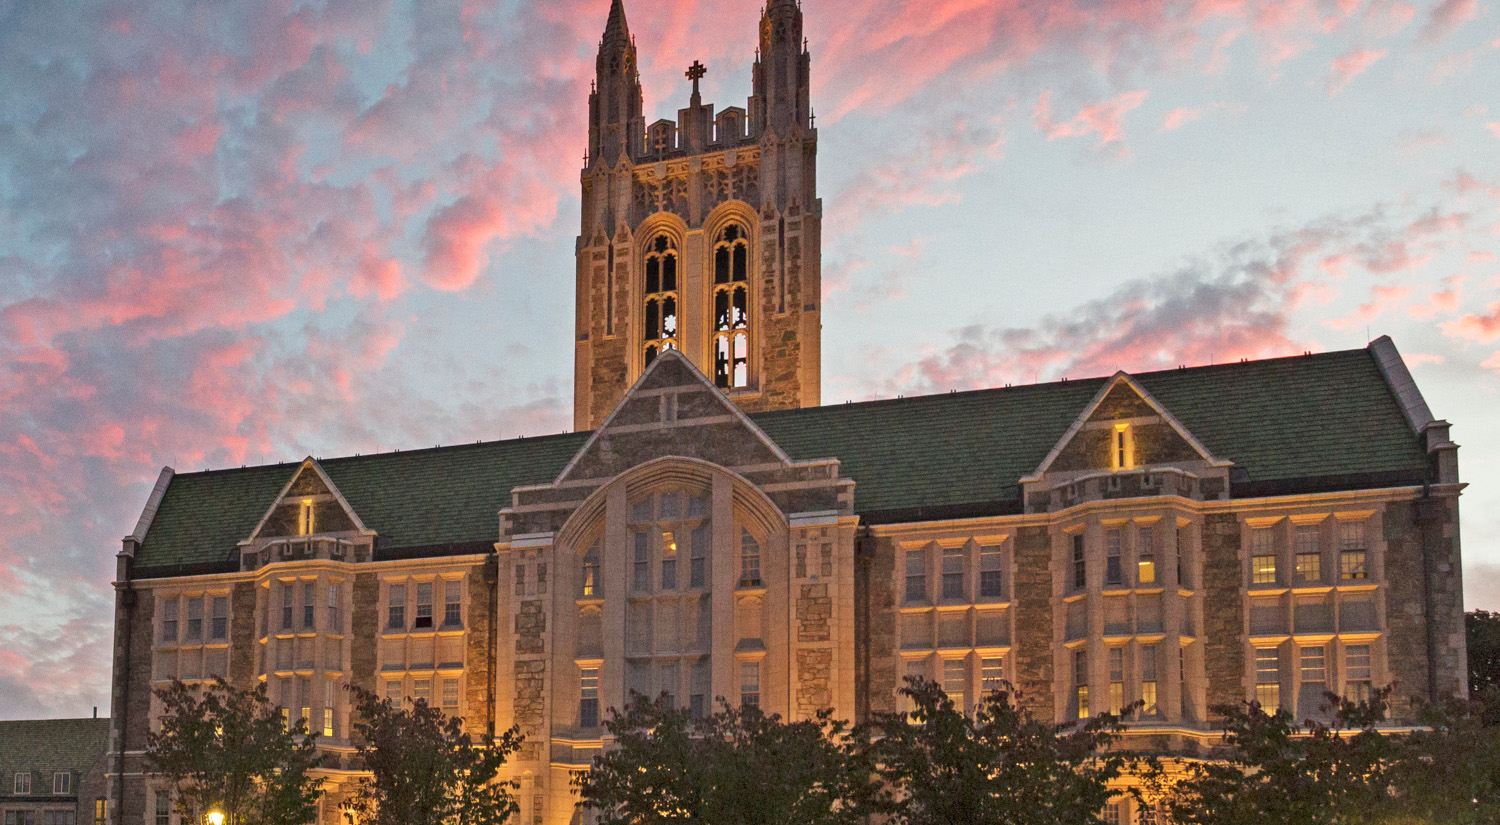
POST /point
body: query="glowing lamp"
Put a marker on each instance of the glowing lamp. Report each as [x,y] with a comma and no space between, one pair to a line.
[215,817]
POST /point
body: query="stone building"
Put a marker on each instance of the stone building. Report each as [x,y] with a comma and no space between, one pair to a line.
[52,771]
[1284,526]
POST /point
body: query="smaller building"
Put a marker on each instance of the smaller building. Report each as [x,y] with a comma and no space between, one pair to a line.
[52,771]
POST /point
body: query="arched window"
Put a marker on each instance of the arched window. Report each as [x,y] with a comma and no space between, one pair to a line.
[660,330]
[731,342]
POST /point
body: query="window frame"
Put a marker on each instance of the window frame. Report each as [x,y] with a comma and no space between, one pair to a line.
[731,322]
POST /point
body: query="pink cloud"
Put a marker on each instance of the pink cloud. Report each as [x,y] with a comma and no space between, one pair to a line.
[1179,117]
[1102,119]
[1480,327]
[1382,298]
[1494,128]
[1492,363]
[1445,300]
[1420,359]
[1349,65]
[1481,257]
[1447,16]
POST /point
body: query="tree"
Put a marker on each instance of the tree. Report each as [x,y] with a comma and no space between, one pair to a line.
[425,770]
[738,766]
[223,748]
[1483,631]
[999,767]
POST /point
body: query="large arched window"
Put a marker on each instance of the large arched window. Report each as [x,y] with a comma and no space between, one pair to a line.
[731,342]
[660,329]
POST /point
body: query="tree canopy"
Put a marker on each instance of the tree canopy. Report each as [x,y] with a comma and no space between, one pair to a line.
[425,770]
[220,747]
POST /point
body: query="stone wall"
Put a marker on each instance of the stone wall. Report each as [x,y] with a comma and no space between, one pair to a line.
[480,653]
[1223,610]
[814,669]
[364,620]
[814,610]
[1034,663]
[242,643]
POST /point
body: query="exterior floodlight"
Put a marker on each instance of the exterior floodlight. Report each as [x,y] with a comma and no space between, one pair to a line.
[215,818]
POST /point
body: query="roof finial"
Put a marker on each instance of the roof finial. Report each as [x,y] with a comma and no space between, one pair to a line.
[695,73]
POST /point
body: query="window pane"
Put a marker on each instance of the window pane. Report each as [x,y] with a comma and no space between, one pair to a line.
[953,573]
[991,575]
[396,614]
[220,628]
[194,619]
[1352,564]
[1080,568]
[1263,570]
[1352,535]
[668,558]
[1309,567]
[955,679]
[749,560]
[1146,555]
[452,604]
[641,581]
[916,575]
[423,618]
[1114,573]
[750,683]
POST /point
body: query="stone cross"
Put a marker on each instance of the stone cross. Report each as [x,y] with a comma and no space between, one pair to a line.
[695,73]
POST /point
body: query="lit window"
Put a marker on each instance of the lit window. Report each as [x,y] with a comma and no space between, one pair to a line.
[1114,571]
[698,565]
[1081,682]
[749,560]
[916,576]
[953,573]
[668,560]
[453,604]
[1145,564]
[991,674]
[219,627]
[591,572]
[642,579]
[423,618]
[731,342]
[1357,673]
[1309,567]
[750,684]
[1149,707]
[194,619]
[396,611]
[1353,564]
[330,698]
[1116,660]
[659,331]
[1268,678]
[1080,565]
[306,521]
[1114,813]
[1122,452]
[588,697]
[991,573]
[169,619]
[1263,569]
[101,811]
[955,678]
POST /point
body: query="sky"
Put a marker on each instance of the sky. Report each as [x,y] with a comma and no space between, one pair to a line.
[245,231]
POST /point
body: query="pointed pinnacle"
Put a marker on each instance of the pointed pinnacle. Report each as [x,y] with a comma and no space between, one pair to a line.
[617,28]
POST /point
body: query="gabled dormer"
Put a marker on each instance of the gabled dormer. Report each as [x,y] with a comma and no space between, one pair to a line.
[310,519]
[1125,443]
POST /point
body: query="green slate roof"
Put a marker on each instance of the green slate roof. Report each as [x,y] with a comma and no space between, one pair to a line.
[45,746]
[1289,420]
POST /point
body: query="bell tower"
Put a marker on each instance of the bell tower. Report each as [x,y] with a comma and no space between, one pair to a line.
[702,234]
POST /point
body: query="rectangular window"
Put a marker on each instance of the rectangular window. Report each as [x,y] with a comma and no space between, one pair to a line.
[306,521]
[219,627]
[1263,556]
[453,604]
[991,674]
[163,809]
[1080,565]
[396,612]
[1148,656]
[286,604]
[750,684]
[423,618]
[588,697]
[749,560]
[309,601]
[955,679]
[393,693]
[1116,660]
[194,620]
[698,564]
[1263,569]
[1114,814]
[1182,567]
[62,782]
[991,573]
[1123,448]
[328,722]
[304,693]
[668,680]
[953,573]
[1313,667]
[1145,540]
[1352,535]
[1081,682]
[1268,678]
[422,689]
[668,560]
[1352,565]
[520,580]
[1357,674]
[916,576]
[450,696]
[101,811]
[1114,571]
[641,582]
[1309,567]
[169,620]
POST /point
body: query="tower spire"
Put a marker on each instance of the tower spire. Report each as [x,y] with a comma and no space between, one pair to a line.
[616,124]
[617,30]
